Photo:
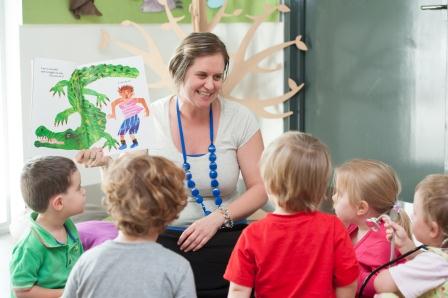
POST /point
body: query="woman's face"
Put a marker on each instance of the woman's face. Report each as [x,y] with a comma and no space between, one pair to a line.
[203,81]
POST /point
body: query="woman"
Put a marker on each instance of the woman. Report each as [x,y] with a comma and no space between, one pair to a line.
[207,136]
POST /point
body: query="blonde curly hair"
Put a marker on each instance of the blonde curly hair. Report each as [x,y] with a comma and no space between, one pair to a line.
[143,193]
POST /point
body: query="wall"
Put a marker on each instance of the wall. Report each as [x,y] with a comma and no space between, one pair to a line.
[375,83]
[80,44]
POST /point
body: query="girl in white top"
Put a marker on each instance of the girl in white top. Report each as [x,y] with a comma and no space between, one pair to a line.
[428,270]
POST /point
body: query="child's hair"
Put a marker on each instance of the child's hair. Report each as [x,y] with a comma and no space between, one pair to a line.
[44,177]
[374,182]
[143,193]
[125,87]
[296,168]
[434,194]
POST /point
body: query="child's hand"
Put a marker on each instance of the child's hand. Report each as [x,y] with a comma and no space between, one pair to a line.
[402,241]
[111,116]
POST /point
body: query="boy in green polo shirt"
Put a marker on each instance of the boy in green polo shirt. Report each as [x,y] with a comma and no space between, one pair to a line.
[44,257]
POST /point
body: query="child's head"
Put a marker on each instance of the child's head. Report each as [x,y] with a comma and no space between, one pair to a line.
[143,193]
[430,224]
[45,178]
[295,169]
[371,187]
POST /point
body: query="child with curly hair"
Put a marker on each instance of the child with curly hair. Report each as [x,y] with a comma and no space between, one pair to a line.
[143,194]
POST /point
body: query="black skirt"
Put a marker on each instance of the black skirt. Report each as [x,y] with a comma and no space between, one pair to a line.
[208,263]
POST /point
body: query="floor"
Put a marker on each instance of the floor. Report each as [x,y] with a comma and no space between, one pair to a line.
[5,255]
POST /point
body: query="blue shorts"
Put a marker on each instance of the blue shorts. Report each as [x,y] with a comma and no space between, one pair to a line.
[130,125]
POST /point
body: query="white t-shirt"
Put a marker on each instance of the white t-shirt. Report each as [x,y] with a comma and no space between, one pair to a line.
[425,272]
[237,125]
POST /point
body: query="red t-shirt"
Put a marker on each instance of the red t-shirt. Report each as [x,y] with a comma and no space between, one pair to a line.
[298,255]
[372,251]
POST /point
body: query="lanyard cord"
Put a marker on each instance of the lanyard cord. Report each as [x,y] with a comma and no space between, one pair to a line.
[366,280]
[181,133]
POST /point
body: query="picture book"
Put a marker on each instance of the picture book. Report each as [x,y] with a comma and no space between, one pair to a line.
[103,104]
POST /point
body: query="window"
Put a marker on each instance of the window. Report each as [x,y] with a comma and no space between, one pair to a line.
[10,112]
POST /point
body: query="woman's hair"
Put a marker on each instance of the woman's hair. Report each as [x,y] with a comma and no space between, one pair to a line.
[296,168]
[143,193]
[374,182]
[434,194]
[197,44]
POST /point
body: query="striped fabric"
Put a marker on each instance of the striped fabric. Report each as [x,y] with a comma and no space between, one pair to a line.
[130,108]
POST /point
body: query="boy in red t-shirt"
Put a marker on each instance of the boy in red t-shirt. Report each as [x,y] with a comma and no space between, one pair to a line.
[296,251]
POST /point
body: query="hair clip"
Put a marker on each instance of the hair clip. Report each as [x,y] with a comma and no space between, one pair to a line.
[374,223]
[395,211]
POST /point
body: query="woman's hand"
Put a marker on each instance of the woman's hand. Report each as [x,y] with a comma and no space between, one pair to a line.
[200,232]
[93,157]
[402,241]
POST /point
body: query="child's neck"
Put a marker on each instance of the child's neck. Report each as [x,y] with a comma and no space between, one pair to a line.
[125,238]
[363,228]
[281,211]
[54,225]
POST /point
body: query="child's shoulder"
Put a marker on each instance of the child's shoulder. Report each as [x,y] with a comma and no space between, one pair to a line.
[316,217]
[436,251]
[28,246]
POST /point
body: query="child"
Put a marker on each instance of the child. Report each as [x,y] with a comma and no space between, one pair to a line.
[143,194]
[426,272]
[296,251]
[130,108]
[43,259]
[367,189]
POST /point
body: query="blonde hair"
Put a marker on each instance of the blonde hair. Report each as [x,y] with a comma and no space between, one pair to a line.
[197,44]
[434,194]
[374,182]
[296,168]
[143,193]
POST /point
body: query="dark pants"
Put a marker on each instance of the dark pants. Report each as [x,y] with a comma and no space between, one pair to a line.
[208,263]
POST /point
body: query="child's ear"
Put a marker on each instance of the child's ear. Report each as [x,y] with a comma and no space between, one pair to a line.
[57,202]
[434,230]
[363,208]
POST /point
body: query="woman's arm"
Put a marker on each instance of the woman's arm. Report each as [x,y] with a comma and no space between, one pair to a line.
[255,195]
[202,230]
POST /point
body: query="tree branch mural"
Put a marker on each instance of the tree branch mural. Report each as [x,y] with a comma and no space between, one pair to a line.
[241,65]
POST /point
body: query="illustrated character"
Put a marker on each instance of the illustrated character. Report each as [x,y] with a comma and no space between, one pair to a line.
[130,107]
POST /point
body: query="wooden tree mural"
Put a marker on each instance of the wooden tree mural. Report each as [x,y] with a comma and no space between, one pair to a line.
[240,67]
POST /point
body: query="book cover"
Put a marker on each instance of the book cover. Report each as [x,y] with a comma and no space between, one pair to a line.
[103,104]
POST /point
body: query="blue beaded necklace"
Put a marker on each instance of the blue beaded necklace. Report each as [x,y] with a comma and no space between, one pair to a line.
[213,174]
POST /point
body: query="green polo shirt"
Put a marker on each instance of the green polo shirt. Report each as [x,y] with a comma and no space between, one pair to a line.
[39,259]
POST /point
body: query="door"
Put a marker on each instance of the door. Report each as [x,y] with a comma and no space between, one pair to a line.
[375,78]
